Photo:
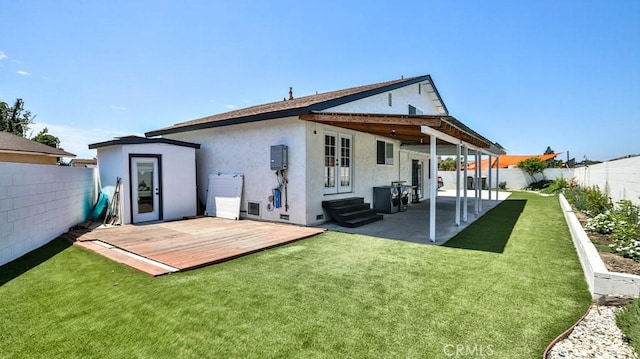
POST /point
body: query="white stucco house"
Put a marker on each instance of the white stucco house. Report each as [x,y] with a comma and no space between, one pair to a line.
[340,144]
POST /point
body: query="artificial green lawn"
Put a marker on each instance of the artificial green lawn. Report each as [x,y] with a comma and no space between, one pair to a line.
[506,286]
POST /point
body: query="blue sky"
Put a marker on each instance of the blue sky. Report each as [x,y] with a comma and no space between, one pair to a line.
[527,74]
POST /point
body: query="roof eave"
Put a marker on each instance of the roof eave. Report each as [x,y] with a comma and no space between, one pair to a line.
[232,121]
[142,140]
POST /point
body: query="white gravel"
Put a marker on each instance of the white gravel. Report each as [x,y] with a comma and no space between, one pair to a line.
[597,336]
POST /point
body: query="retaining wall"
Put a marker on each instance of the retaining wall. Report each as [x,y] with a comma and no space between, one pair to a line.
[601,282]
[40,202]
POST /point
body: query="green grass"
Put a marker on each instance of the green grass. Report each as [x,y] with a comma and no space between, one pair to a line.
[333,295]
[628,321]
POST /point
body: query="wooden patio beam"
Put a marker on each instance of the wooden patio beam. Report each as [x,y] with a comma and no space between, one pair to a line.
[374,119]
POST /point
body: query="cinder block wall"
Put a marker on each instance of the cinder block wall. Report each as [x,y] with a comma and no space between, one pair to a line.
[40,202]
[620,177]
[514,177]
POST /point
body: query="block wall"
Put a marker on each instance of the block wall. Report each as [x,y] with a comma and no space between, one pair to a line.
[40,202]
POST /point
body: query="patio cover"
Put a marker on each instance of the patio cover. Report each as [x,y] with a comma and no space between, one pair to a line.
[425,134]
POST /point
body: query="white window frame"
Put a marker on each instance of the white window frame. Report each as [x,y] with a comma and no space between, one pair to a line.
[388,153]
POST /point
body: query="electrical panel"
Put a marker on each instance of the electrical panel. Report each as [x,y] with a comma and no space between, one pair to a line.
[279,157]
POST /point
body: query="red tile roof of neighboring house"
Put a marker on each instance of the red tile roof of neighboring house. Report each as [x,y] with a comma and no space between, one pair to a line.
[505,161]
[294,107]
[10,143]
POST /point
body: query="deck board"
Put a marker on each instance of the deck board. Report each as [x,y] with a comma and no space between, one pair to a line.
[197,242]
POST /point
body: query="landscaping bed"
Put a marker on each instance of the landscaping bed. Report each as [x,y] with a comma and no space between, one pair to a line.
[613,228]
[613,261]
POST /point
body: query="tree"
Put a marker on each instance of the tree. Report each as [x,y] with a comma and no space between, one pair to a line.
[448,164]
[46,138]
[552,163]
[14,119]
[532,166]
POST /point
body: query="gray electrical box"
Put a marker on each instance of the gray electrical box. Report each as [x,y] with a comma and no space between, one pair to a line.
[279,154]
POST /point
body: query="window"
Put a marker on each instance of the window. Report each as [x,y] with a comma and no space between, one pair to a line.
[419,89]
[390,99]
[384,153]
[415,111]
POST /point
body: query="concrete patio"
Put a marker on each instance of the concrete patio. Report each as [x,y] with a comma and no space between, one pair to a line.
[413,224]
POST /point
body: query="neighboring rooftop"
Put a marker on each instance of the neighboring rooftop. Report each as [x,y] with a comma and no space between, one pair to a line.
[10,143]
[506,161]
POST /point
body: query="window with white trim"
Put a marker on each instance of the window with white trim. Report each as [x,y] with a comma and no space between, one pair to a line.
[384,151]
[415,111]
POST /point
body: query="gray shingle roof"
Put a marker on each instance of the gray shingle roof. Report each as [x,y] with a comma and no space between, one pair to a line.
[16,144]
[293,107]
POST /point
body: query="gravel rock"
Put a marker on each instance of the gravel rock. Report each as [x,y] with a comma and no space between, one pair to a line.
[597,336]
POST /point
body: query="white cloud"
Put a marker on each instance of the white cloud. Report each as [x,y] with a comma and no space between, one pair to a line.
[77,140]
[23,73]
[3,56]
[230,107]
[121,108]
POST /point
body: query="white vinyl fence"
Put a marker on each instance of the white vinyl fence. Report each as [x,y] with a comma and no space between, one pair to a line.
[40,202]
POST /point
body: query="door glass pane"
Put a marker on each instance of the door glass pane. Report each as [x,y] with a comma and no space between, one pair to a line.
[145,187]
[345,161]
[329,161]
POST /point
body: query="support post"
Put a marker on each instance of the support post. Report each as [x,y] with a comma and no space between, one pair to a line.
[465,203]
[489,177]
[433,164]
[497,176]
[458,154]
[480,182]
[476,180]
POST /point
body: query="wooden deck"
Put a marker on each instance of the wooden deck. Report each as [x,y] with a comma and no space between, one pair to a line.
[166,247]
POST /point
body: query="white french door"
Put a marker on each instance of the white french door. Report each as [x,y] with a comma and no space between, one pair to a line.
[145,189]
[338,162]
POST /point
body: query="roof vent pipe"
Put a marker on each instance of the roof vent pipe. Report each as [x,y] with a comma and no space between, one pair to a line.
[290,93]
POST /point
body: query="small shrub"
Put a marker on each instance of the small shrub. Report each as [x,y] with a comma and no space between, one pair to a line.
[557,186]
[603,223]
[627,248]
[597,201]
[536,186]
[577,198]
[625,231]
[628,211]
[502,185]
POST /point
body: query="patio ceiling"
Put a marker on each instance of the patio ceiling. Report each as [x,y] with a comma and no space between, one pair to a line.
[406,128]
